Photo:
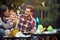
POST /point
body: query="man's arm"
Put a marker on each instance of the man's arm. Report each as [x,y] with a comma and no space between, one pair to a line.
[34,26]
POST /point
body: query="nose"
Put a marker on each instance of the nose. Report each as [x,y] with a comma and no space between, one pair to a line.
[25,12]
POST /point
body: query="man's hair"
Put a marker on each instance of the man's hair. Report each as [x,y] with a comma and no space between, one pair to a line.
[30,7]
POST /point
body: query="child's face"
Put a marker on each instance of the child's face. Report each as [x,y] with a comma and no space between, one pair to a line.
[13,16]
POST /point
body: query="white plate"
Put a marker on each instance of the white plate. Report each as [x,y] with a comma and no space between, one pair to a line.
[46,32]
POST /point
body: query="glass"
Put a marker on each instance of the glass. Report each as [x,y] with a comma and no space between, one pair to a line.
[8,32]
[14,32]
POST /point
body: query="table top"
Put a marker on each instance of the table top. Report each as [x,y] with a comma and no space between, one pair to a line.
[42,34]
[32,34]
[10,37]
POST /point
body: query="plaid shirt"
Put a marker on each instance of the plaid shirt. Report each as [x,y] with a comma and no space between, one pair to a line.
[28,25]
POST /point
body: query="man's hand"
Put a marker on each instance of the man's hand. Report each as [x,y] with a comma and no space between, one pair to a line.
[33,31]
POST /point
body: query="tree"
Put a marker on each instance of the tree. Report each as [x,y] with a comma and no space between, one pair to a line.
[14,3]
[51,9]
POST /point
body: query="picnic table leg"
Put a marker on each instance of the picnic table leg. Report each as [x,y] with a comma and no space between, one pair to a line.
[21,39]
[54,38]
[47,38]
[7,39]
[37,38]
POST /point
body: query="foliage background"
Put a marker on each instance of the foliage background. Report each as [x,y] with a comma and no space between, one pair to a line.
[48,14]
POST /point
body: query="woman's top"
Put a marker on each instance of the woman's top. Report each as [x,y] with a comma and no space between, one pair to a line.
[4,25]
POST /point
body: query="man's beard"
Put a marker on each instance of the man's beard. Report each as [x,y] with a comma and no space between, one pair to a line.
[27,15]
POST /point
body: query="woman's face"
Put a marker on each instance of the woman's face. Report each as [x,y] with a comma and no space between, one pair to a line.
[6,13]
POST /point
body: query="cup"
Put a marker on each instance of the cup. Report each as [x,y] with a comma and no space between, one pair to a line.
[8,32]
[14,32]
[54,30]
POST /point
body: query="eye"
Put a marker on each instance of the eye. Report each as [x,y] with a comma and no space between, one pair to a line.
[27,11]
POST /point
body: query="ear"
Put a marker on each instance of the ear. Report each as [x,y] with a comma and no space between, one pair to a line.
[31,13]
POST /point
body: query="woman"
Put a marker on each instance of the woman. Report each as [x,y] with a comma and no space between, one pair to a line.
[4,14]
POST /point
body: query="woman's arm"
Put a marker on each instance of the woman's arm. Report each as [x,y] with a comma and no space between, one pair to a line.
[3,24]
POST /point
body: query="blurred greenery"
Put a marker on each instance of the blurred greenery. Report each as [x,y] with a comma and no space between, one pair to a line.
[13,3]
[52,11]
[51,8]
[46,9]
[16,2]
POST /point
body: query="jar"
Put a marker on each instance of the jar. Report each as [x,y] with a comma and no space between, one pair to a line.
[8,32]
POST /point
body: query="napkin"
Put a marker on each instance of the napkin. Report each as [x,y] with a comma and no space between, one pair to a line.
[50,28]
[20,34]
[40,27]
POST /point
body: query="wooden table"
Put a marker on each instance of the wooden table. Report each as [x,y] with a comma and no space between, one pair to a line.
[52,36]
[15,38]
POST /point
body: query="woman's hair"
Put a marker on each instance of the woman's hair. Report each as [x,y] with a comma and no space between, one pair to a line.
[3,8]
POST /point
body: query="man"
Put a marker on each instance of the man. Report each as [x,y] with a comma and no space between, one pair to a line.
[27,21]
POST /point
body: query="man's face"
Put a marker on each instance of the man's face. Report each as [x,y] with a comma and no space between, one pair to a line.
[27,12]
